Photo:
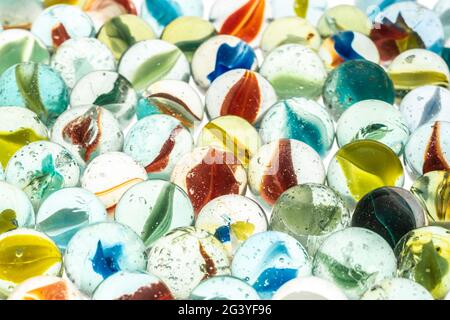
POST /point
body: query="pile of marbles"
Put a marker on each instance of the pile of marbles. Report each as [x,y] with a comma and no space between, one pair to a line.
[276,149]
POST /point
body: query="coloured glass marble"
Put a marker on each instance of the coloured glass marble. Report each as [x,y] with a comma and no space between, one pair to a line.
[374,7]
[354,259]
[172,97]
[19,13]
[59,23]
[244,19]
[46,288]
[18,127]
[362,166]
[348,84]
[373,120]
[66,211]
[36,87]
[87,132]
[233,134]
[268,260]
[389,212]
[242,93]
[110,175]
[348,45]
[310,213]
[281,165]
[149,61]
[397,289]
[188,33]
[221,54]
[157,142]
[433,192]
[26,253]
[99,250]
[101,11]
[126,285]
[424,257]
[311,10]
[107,89]
[159,13]
[416,68]
[41,168]
[406,25]
[428,149]
[299,119]
[426,104]
[294,71]
[208,173]
[232,219]
[16,210]
[185,257]
[223,288]
[343,18]
[309,288]
[75,58]
[153,208]
[121,32]
[442,8]
[289,30]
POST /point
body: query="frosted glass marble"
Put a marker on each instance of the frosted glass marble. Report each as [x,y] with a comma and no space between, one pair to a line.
[223,288]
[397,289]
[309,288]
[46,288]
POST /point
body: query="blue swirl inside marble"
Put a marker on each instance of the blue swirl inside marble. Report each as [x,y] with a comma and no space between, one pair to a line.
[105,261]
[343,45]
[223,234]
[164,11]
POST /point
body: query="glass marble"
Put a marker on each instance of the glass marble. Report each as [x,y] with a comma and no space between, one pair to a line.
[343,18]
[406,25]
[185,257]
[428,149]
[66,211]
[242,93]
[309,288]
[110,175]
[223,288]
[425,104]
[174,98]
[158,142]
[416,68]
[348,84]
[232,219]
[268,260]
[121,32]
[442,9]
[397,289]
[188,33]
[354,259]
[281,165]
[244,19]
[59,23]
[159,13]
[374,7]
[125,285]
[46,288]
[362,166]
[424,257]
[75,58]
[288,30]
[16,211]
[220,54]
[2,174]
[310,213]
[299,119]
[311,10]
[390,212]
[233,134]
[149,61]
[18,127]
[39,256]
[87,132]
[294,71]
[107,89]
[153,208]
[207,173]
[100,250]
[373,120]
[101,11]
[433,192]
[41,168]
[19,13]
[348,45]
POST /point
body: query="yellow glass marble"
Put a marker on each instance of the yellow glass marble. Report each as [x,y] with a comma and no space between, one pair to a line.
[344,18]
